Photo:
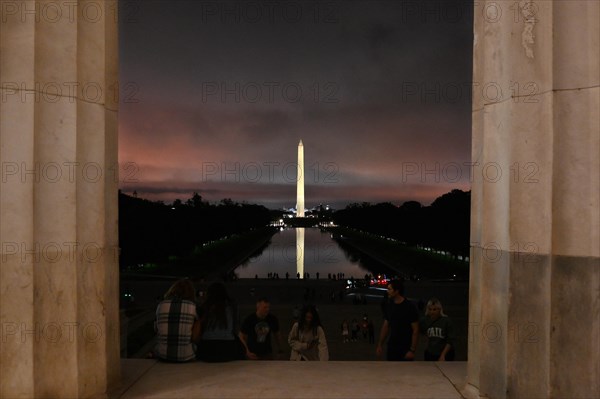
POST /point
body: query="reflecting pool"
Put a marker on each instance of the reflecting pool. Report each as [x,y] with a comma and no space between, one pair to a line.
[301,250]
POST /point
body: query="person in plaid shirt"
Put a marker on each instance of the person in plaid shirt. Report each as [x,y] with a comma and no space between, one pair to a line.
[177,326]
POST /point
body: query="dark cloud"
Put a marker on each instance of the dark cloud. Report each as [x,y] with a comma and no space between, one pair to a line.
[369,86]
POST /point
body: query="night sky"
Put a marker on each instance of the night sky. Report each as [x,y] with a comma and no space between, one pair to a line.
[216,96]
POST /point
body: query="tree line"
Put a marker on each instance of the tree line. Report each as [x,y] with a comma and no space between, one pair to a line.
[151,231]
[443,225]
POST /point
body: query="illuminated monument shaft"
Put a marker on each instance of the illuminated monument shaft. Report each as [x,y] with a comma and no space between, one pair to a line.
[300,251]
[300,187]
[300,212]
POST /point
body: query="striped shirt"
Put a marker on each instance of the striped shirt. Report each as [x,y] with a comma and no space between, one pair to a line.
[174,321]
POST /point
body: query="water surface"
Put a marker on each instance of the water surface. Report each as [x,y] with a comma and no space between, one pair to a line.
[301,250]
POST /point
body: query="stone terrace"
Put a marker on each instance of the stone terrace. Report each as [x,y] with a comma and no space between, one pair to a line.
[366,376]
[284,379]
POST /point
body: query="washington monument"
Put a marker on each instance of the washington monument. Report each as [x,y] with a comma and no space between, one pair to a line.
[300,186]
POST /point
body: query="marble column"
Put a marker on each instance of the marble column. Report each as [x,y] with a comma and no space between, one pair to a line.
[534,312]
[58,198]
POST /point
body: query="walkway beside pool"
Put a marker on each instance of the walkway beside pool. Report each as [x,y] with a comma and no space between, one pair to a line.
[143,378]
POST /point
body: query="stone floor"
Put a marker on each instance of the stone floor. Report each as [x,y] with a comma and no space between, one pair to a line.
[283,379]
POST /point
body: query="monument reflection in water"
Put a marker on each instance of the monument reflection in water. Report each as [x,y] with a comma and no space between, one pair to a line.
[301,250]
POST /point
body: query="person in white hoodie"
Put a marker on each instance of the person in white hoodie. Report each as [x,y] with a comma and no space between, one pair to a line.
[307,337]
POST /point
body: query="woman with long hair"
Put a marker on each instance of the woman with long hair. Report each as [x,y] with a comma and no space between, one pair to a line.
[218,314]
[177,326]
[307,337]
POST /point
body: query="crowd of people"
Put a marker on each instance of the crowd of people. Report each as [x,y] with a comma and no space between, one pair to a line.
[353,331]
[210,331]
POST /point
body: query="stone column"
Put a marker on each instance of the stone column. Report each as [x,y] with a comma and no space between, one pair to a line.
[534,312]
[58,199]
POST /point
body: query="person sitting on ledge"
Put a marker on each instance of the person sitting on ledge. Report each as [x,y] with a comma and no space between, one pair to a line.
[177,326]
[219,320]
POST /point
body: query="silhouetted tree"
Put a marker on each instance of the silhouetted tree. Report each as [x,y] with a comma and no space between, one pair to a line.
[195,201]
[152,231]
[443,225]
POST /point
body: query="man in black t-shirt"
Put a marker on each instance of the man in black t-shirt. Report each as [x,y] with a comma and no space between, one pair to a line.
[401,323]
[256,330]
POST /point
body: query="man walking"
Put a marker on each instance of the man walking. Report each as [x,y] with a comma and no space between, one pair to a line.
[401,323]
